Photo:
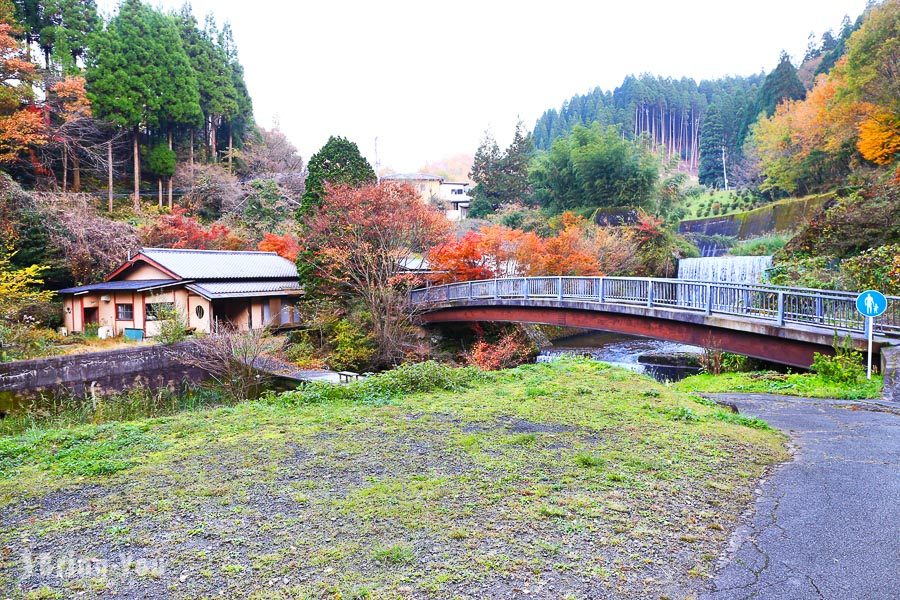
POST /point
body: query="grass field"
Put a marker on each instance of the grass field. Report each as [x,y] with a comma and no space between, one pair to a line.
[568,480]
[808,385]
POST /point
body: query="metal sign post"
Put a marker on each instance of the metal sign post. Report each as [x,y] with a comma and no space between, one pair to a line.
[870,304]
[871,324]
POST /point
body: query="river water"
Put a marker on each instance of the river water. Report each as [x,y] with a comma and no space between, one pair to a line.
[622,350]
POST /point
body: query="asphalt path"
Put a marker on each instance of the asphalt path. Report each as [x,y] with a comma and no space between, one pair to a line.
[827,523]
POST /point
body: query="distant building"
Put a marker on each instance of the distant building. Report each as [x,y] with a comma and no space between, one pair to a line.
[456,199]
[427,186]
[452,197]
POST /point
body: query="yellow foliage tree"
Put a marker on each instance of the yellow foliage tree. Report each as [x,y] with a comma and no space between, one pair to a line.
[879,138]
[18,287]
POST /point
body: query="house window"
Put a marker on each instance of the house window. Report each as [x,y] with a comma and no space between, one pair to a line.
[124,312]
[158,310]
[199,312]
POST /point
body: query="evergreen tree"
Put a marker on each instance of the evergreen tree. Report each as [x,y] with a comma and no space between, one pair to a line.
[501,178]
[712,147]
[213,73]
[782,83]
[67,26]
[138,74]
[242,117]
[337,162]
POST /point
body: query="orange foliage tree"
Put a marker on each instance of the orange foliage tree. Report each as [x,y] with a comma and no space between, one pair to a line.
[809,143]
[498,251]
[461,260]
[285,246]
[22,127]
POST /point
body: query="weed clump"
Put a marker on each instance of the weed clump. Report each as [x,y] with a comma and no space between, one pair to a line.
[386,387]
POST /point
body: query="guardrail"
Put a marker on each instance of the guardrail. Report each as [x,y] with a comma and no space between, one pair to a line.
[820,308]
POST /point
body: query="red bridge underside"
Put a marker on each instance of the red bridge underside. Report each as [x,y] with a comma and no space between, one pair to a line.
[785,351]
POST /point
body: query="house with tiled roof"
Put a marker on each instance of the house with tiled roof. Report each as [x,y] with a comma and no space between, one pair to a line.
[247,290]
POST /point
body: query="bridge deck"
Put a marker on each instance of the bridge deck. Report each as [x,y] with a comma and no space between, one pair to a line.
[810,317]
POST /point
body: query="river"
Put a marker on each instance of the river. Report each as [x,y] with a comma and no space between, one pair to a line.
[624,351]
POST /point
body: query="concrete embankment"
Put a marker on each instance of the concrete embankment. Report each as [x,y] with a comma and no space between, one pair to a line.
[100,372]
[890,366]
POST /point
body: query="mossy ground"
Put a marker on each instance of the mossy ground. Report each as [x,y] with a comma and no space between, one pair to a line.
[572,479]
[807,385]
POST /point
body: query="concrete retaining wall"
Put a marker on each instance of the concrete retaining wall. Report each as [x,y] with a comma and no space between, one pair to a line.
[890,366]
[116,370]
[781,216]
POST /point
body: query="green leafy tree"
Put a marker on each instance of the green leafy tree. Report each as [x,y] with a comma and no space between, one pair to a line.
[594,167]
[338,162]
[139,75]
[485,163]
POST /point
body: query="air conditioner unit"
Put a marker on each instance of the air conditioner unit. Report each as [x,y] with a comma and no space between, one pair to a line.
[106,297]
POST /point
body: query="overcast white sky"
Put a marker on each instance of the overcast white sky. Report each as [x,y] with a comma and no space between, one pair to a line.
[427,78]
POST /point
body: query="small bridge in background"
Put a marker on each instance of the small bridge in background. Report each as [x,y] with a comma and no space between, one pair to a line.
[780,324]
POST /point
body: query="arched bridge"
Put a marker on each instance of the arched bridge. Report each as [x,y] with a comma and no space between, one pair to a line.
[780,324]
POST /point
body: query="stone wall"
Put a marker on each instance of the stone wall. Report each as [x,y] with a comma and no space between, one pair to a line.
[116,370]
[890,366]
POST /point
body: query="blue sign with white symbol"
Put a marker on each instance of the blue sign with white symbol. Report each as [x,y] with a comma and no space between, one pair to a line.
[871,303]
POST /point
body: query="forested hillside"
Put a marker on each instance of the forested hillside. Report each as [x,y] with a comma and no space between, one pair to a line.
[700,124]
[136,130]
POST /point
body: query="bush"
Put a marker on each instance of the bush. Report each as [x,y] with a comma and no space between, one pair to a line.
[712,360]
[303,354]
[874,269]
[353,348]
[385,387]
[21,341]
[511,350]
[761,246]
[172,325]
[844,367]
[816,272]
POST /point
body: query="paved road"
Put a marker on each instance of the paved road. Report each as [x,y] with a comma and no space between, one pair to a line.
[827,524]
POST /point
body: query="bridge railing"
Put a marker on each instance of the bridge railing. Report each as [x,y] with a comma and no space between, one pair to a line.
[821,308]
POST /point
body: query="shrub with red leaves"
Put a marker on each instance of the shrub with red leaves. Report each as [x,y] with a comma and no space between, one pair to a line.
[511,350]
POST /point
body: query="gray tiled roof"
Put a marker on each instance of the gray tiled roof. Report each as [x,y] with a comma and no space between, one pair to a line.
[245,289]
[411,177]
[222,264]
[131,285]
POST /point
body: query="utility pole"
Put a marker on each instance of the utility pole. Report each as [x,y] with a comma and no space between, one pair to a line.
[109,165]
[377,163]
[724,172]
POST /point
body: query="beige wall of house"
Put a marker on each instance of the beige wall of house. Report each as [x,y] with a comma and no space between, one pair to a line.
[143,271]
[199,313]
[128,310]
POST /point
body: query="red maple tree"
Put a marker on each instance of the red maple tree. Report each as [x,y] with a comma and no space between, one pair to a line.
[358,243]
[178,230]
